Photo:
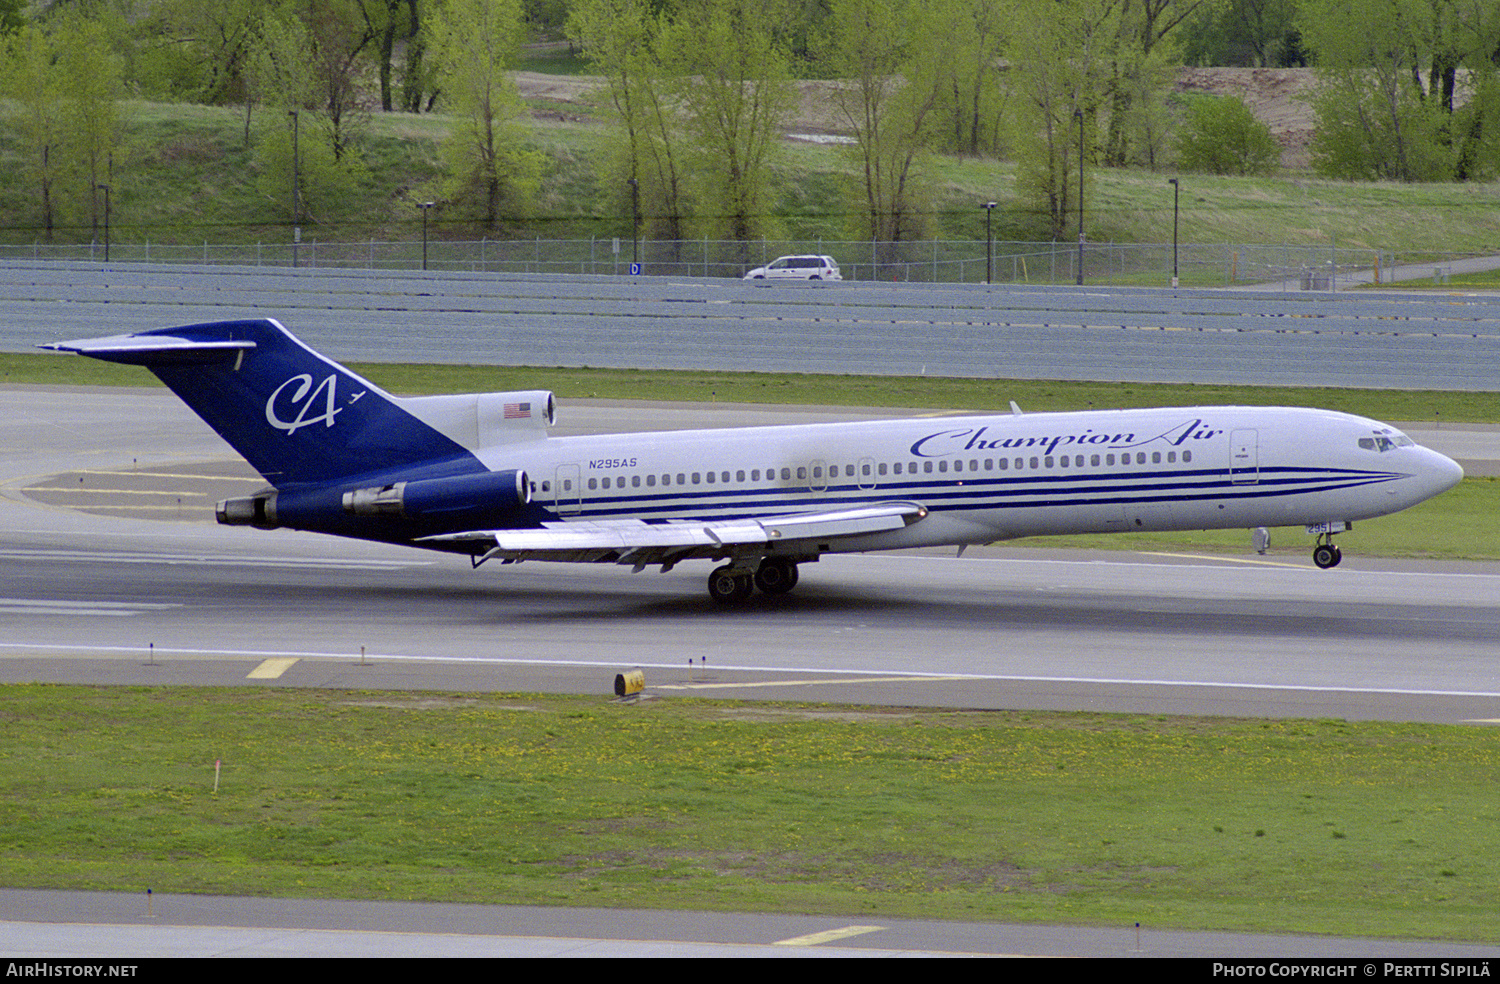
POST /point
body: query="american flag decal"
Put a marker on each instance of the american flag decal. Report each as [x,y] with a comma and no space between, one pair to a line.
[517,411]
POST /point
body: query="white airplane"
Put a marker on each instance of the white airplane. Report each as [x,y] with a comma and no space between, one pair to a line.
[478,474]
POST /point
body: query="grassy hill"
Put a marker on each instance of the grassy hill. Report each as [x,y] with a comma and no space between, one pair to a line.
[188,175]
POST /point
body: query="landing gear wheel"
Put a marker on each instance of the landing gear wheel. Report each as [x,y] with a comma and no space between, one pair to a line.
[1326,555]
[776,576]
[727,585]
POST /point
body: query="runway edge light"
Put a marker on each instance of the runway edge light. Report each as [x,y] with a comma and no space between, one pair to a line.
[629,683]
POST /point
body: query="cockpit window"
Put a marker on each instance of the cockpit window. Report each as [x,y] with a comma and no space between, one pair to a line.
[1386,440]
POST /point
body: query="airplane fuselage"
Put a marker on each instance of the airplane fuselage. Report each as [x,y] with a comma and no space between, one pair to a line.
[988,478]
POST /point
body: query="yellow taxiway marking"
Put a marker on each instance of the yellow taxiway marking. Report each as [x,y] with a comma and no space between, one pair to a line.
[1227,560]
[813,939]
[804,683]
[271,669]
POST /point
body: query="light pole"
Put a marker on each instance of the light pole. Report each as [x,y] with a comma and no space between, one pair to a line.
[635,222]
[1176,191]
[296,184]
[424,206]
[989,241]
[1078,115]
[105,189]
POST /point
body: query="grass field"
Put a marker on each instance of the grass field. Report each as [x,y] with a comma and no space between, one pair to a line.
[1266,826]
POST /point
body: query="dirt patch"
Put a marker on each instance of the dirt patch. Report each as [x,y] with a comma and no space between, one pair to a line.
[1279,98]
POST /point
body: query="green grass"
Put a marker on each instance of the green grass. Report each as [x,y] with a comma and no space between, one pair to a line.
[1461,524]
[186,174]
[1263,826]
[916,392]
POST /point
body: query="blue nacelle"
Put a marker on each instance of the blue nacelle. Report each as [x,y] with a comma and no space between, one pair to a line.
[396,511]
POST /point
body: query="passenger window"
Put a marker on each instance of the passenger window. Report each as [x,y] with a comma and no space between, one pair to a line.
[1187,456]
[1156,457]
[650,480]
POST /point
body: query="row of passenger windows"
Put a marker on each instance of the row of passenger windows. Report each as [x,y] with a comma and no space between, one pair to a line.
[867,469]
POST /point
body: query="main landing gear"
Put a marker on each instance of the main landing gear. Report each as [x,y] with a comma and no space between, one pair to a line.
[731,583]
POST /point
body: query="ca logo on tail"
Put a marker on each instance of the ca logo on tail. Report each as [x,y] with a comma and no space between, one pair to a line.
[304,399]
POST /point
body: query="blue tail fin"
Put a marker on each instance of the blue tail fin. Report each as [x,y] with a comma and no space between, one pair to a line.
[296,416]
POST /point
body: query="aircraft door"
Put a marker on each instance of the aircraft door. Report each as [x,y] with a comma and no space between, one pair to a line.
[567,490]
[1244,457]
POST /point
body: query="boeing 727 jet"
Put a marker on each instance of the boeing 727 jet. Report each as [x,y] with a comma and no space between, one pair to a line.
[479,474]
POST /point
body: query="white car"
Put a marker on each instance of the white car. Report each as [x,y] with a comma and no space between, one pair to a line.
[798,268]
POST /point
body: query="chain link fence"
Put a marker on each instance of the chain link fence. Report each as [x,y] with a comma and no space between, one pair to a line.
[952,261]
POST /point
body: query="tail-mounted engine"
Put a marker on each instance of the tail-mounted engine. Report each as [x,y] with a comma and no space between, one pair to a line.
[462,502]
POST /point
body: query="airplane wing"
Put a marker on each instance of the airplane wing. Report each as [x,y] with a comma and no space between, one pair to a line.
[641,543]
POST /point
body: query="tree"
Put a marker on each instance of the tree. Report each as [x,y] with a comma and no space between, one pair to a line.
[870,43]
[620,38]
[1141,69]
[198,51]
[1378,117]
[30,80]
[1059,69]
[92,83]
[295,142]
[732,80]
[963,47]
[471,43]
[1222,136]
[1259,33]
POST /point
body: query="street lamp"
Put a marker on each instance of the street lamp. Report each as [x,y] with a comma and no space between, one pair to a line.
[1078,115]
[424,206]
[296,184]
[1176,191]
[989,251]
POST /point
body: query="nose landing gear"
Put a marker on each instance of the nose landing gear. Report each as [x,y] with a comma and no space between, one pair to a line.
[1325,554]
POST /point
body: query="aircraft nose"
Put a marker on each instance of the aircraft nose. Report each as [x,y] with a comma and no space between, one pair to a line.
[1442,471]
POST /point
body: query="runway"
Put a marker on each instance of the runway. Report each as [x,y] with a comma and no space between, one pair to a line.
[116,572]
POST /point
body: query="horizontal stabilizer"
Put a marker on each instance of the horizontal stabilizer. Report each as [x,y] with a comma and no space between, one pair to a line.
[146,350]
